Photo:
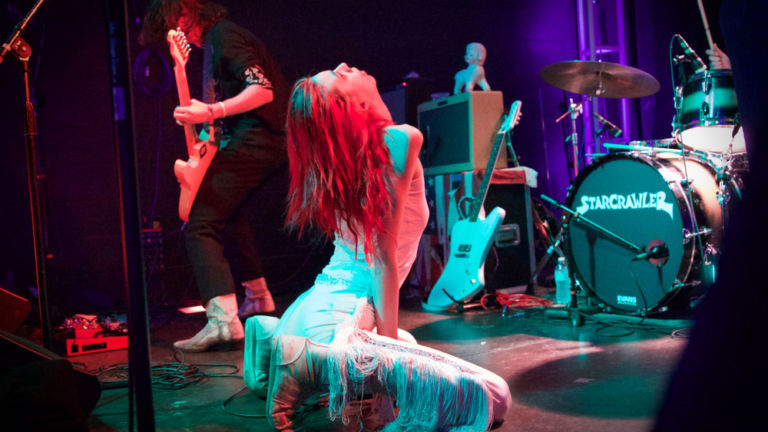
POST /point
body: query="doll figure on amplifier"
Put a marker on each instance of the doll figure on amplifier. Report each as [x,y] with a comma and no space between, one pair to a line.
[474,74]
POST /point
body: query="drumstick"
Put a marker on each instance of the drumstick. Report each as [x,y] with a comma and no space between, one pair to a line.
[706,25]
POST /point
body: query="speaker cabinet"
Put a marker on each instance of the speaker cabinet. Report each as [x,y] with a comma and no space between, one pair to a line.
[512,261]
[459,132]
[40,391]
[13,310]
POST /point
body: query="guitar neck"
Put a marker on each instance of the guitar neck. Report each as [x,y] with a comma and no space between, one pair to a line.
[477,203]
[507,125]
[182,89]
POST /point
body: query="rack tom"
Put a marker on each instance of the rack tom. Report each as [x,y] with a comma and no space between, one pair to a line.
[708,113]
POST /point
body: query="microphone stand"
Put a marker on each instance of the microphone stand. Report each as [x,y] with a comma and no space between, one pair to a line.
[568,215]
[579,218]
[21,49]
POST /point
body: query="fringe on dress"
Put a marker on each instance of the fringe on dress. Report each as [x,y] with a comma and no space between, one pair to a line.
[432,390]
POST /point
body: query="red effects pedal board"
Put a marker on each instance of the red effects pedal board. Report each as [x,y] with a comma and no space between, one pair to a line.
[79,346]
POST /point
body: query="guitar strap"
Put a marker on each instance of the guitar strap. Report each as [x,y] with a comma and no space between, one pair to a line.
[209,96]
[209,84]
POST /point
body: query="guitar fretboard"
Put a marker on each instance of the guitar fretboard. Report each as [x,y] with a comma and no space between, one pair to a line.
[507,125]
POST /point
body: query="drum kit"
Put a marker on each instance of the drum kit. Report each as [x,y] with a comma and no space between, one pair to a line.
[646,220]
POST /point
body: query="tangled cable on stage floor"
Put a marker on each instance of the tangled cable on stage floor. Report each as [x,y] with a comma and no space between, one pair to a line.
[516,301]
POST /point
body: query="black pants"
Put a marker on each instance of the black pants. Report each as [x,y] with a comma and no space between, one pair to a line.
[235,173]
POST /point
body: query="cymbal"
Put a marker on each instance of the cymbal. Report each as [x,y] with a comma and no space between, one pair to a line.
[602,79]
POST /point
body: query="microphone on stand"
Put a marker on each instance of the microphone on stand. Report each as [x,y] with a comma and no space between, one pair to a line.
[691,55]
[615,130]
[657,253]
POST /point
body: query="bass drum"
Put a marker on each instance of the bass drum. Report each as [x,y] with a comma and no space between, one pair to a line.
[640,198]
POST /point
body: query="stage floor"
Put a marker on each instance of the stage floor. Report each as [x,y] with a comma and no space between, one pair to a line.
[608,374]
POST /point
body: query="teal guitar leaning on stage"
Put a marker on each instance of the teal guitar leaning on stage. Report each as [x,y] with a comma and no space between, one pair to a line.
[471,238]
[200,152]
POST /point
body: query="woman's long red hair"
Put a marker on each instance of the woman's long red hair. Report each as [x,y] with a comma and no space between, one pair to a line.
[338,164]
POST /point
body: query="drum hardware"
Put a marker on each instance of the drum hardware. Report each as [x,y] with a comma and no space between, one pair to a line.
[724,180]
[651,151]
[687,235]
[665,143]
[574,110]
[709,252]
[576,319]
[686,183]
[554,247]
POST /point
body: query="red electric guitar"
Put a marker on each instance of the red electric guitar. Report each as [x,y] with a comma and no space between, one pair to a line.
[190,173]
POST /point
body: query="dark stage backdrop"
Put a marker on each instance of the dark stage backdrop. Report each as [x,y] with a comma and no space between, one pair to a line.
[388,39]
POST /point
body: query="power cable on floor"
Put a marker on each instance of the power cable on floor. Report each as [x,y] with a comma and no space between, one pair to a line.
[231,398]
[167,376]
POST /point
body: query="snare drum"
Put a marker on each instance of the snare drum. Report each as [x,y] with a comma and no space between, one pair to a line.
[640,197]
[708,113]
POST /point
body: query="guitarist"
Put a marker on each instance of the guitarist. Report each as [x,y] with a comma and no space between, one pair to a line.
[245,91]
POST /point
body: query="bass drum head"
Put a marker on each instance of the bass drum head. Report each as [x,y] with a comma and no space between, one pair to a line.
[631,198]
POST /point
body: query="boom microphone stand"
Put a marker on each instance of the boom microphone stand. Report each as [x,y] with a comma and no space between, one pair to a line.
[658,251]
[21,49]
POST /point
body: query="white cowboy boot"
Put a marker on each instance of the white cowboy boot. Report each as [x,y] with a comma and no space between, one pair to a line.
[258,300]
[223,327]
[258,351]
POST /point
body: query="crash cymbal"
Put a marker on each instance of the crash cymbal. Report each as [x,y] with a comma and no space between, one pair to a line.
[602,79]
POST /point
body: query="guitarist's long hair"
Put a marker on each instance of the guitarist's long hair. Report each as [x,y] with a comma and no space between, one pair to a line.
[163,15]
[338,164]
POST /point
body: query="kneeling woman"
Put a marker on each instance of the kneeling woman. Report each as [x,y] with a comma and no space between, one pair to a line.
[356,176]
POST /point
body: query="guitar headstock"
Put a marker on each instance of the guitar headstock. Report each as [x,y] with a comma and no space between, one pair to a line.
[177,41]
[513,118]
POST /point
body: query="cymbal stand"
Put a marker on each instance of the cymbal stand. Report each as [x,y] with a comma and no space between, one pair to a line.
[574,110]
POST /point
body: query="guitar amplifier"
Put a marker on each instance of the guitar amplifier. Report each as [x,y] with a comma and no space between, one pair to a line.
[459,132]
[512,260]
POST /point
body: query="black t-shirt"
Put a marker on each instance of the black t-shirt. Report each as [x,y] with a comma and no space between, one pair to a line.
[235,59]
